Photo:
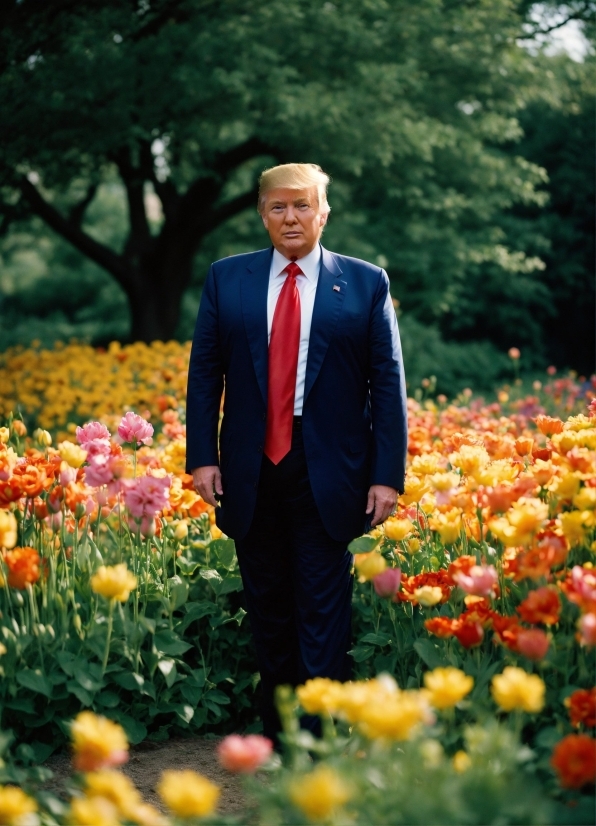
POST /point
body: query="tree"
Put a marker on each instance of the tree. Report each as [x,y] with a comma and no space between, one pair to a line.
[407,103]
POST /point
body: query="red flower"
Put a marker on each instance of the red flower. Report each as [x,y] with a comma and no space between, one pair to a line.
[582,707]
[461,565]
[469,633]
[23,567]
[533,643]
[574,760]
[542,605]
[507,630]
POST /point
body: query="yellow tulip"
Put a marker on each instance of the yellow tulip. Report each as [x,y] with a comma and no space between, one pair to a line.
[461,761]
[319,793]
[515,690]
[92,811]
[8,530]
[15,805]
[428,595]
[397,529]
[447,686]
[572,525]
[319,695]
[187,793]
[72,454]
[114,582]
[369,565]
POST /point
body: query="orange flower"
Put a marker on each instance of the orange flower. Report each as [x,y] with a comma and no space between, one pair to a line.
[537,562]
[31,479]
[10,491]
[507,630]
[461,565]
[468,632]
[574,760]
[23,567]
[542,605]
[442,627]
[582,707]
[548,425]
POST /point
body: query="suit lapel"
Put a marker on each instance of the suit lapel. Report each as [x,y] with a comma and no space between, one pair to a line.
[328,301]
[254,288]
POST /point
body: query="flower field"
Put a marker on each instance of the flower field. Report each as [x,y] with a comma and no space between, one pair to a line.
[121,610]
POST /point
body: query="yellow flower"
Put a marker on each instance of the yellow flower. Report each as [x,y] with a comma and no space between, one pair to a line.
[447,686]
[319,793]
[72,454]
[43,437]
[8,530]
[97,742]
[470,458]
[444,481]
[396,718]
[414,490]
[586,499]
[428,595]
[15,805]
[527,515]
[187,793]
[413,546]
[397,529]
[515,690]
[369,565]
[448,525]
[4,435]
[94,811]
[565,487]
[495,473]
[115,787]
[114,582]
[461,761]
[572,525]
[319,695]
[181,530]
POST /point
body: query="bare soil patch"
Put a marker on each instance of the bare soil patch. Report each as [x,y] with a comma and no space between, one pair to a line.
[148,760]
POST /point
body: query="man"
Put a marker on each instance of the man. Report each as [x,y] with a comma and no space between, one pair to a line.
[313,435]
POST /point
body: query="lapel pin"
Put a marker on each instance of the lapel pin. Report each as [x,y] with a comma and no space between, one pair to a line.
[337,288]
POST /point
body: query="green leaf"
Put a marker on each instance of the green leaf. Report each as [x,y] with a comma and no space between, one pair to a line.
[226,552]
[178,592]
[66,661]
[35,681]
[168,669]
[210,574]
[361,653]
[429,653]
[187,566]
[129,680]
[168,642]
[364,544]
[135,731]
[192,693]
[83,676]
[217,696]
[84,696]
[228,585]
[185,712]
[108,699]
[377,639]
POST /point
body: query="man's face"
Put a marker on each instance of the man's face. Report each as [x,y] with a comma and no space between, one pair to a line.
[293,220]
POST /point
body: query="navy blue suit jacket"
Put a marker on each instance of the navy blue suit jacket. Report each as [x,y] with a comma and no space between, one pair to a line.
[354,418]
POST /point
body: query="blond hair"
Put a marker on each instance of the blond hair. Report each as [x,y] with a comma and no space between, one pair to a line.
[295,176]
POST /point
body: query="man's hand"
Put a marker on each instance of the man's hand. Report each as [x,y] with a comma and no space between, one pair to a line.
[381,501]
[207,482]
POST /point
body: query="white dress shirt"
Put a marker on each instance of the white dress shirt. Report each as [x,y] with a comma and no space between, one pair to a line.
[307,287]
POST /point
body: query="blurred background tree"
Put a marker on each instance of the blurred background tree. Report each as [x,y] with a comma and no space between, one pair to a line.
[133,134]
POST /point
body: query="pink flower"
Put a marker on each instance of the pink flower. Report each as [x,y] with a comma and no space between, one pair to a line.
[244,754]
[105,469]
[68,474]
[386,584]
[97,447]
[146,526]
[533,643]
[592,408]
[481,580]
[133,428]
[587,629]
[91,431]
[147,495]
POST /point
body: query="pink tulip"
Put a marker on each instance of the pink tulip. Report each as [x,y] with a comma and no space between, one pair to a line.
[147,526]
[481,580]
[68,474]
[386,584]
[587,629]
[533,643]
[91,431]
[133,428]
[97,447]
[147,495]
[244,754]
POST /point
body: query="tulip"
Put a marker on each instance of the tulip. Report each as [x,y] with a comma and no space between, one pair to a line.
[587,629]
[188,794]
[134,429]
[98,743]
[244,754]
[386,584]
[533,643]
[428,595]
[397,529]
[92,431]
[480,580]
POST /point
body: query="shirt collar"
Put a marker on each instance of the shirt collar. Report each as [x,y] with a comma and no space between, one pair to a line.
[310,264]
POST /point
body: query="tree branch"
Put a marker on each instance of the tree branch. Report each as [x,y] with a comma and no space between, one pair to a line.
[165,190]
[75,216]
[232,158]
[217,216]
[102,255]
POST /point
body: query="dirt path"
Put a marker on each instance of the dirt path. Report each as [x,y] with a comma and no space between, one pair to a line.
[148,760]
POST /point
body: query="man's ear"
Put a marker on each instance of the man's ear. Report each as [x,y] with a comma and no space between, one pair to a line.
[323,218]
[264,220]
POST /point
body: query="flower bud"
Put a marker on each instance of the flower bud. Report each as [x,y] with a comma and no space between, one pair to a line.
[386,584]
[533,643]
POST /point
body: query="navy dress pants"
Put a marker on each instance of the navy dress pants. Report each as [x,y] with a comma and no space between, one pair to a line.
[297,584]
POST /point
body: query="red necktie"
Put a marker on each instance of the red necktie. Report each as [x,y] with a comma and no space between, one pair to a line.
[283,364]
